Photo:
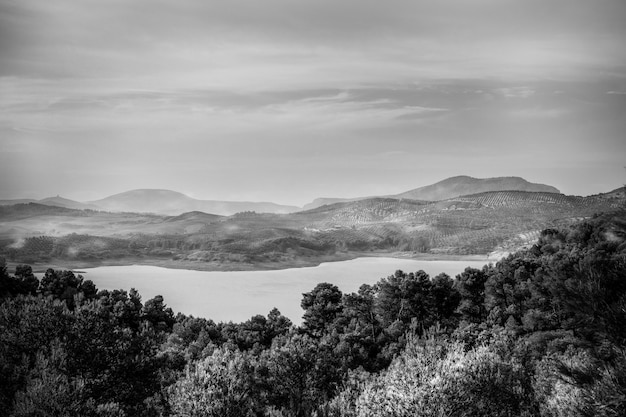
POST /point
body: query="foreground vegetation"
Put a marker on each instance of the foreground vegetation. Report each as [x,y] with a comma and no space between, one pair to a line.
[541,333]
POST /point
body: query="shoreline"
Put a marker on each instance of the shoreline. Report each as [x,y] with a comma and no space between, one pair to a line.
[77,265]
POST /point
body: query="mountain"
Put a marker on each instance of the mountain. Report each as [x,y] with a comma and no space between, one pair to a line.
[145,201]
[52,201]
[67,203]
[172,203]
[464,185]
[169,202]
[450,188]
[482,223]
[324,201]
[17,201]
[494,222]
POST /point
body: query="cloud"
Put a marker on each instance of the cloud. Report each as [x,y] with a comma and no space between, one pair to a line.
[240,91]
[243,44]
[538,113]
[516,92]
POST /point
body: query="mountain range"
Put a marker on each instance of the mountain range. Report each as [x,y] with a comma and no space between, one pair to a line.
[175,203]
[167,202]
[450,188]
[488,223]
[164,202]
[53,201]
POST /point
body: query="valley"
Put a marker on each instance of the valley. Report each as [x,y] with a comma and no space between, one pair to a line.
[482,225]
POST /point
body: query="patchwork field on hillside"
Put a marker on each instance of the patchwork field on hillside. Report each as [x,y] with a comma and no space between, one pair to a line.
[477,224]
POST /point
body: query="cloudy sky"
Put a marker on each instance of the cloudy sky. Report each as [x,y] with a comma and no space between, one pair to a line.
[289,100]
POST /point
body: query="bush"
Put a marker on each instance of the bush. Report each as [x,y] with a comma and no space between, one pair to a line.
[433,378]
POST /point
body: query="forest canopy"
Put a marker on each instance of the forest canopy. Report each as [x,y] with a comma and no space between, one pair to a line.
[540,333]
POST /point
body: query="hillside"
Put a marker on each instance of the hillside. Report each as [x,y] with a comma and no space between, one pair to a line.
[163,202]
[52,201]
[491,223]
[145,201]
[451,188]
[323,201]
[173,203]
[168,202]
[539,333]
[464,185]
[67,203]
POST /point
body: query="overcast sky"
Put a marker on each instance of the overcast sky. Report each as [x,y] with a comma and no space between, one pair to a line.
[287,100]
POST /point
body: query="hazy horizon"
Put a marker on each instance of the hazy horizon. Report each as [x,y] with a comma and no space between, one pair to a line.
[287,101]
[258,201]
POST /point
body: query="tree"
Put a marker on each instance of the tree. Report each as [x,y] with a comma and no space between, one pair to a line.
[302,372]
[5,279]
[28,282]
[63,285]
[444,301]
[321,307]
[277,325]
[359,329]
[89,290]
[433,377]
[49,391]
[222,385]
[27,324]
[406,299]
[471,286]
[156,312]
[24,281]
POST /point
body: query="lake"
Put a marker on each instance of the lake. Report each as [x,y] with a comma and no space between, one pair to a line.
[238,295]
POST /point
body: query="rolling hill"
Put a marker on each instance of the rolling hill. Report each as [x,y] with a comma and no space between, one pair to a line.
[52,201]
[167,202]
[163,202]
[453,187]
[174,203]
[493,222]
[464,185]
[67,203]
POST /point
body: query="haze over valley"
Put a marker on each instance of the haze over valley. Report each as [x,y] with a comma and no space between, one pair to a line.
[459,216]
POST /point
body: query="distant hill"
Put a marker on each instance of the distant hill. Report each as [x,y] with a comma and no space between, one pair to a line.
[452,187]
[143,201]
[169,202]
[323,201]
[67,203]
[52,201]
[195,216]
[163,202]
[172,203]
[464,185]
[17,201]
[494,222]
[481,223]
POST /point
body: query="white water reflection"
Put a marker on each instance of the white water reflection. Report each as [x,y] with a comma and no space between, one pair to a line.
[238,295]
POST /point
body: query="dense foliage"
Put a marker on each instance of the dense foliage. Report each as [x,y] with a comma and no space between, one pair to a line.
[540,333]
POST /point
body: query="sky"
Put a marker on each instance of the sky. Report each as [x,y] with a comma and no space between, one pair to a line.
[290,100]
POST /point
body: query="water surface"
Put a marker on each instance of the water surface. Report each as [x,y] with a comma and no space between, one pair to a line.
[238,295]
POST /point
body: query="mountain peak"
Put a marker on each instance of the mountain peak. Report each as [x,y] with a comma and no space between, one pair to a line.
[464,185]
[145,200]
[170,202]
[453,187]
[149,192]
[59,201]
